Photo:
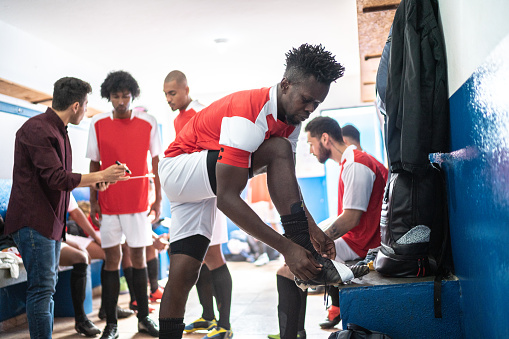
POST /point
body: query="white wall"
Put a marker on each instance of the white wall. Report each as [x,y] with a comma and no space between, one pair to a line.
[471,30]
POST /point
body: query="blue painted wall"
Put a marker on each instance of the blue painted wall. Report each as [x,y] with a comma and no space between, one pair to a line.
[478,185]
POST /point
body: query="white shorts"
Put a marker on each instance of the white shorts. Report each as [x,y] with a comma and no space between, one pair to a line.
[82,242]
[344,252]
[220,232]
[136,228]
[185,181]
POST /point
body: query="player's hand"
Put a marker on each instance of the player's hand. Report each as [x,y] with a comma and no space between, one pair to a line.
[95,214]
[102,186]
[160,243]
[156,208]
[301,262]
[322,243]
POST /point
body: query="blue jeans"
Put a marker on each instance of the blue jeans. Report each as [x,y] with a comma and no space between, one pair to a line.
[40,256]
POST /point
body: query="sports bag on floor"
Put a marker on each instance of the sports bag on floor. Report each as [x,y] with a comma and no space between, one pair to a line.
[358,332]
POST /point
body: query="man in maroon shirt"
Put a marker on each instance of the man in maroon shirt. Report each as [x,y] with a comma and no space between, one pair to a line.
[41,184]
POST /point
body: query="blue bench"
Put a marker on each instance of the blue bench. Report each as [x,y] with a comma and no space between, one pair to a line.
[402,307]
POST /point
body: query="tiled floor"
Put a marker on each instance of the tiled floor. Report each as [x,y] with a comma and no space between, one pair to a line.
[253,314]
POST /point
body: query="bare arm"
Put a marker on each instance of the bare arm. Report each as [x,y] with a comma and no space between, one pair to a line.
[95,210]
[82,221]
[344,223]
[111,174]
[156,206]
[231,181]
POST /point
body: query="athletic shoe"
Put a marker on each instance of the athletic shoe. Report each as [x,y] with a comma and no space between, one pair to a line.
[329,276]
[149,326]
[110,331]
[134,306]
[200,325]
[300,335]
[333,317]
[121,313]
[219,333]
[157,295]
[87,328]
[263,259]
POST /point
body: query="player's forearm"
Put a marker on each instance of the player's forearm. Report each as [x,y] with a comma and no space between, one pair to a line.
[94,167]
[343,224]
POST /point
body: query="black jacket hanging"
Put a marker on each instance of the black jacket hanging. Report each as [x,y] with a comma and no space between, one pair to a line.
[416,97]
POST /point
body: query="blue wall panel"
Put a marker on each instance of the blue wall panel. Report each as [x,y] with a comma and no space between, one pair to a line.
[478,185]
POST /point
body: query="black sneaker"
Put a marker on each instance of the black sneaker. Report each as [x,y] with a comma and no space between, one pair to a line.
[329,276]
[87,328]
[330,323]
[110,331]
[121,313]
[149,326]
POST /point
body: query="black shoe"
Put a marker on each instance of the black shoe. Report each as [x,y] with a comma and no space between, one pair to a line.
[329,276]
[121,313]
[87,328]
[330,323]
[110,332]
[149,326]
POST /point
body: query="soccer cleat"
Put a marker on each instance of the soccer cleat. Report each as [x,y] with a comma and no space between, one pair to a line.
[263,259]
[333,318]
[149,326]
[330,276]
[300,335]
[134,306]
[87,328]
[200,325]
[157,295]
[110,332]
[219,333]
[121,313]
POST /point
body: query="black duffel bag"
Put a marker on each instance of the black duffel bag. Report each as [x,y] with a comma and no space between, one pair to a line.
[358,332]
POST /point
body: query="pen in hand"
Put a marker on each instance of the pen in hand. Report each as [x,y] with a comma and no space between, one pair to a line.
[126,169]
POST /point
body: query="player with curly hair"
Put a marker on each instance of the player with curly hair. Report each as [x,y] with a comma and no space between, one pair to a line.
[212,158]
[124,136]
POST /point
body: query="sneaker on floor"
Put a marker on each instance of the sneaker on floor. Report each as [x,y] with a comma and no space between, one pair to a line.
[333,317]
[157,295]
[149,326]
[87,328]
[110,331]
[330,274]
[263,259]
[200,325]
[219,333]
[134,306]
[300,335]
[121,313]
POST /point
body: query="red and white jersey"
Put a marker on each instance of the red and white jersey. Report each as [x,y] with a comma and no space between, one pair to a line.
[361,187]
[128,141]
[184,116]
[236,125]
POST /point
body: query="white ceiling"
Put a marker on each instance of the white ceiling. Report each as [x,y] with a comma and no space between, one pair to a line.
[152,37]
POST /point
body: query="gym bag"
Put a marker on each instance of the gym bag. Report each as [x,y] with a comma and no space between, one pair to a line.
[358,332]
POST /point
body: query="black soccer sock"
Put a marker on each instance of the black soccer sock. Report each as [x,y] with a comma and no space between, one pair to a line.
[110,289]
[205,293]
[79,290]
[334,295]
[152,269]
[222,283]
[302,309]
[140,291]
[128,274]
[296,227]
[289,307]
[171,328]
[102,280]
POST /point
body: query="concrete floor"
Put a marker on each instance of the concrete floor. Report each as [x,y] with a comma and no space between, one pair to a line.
[253,313]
